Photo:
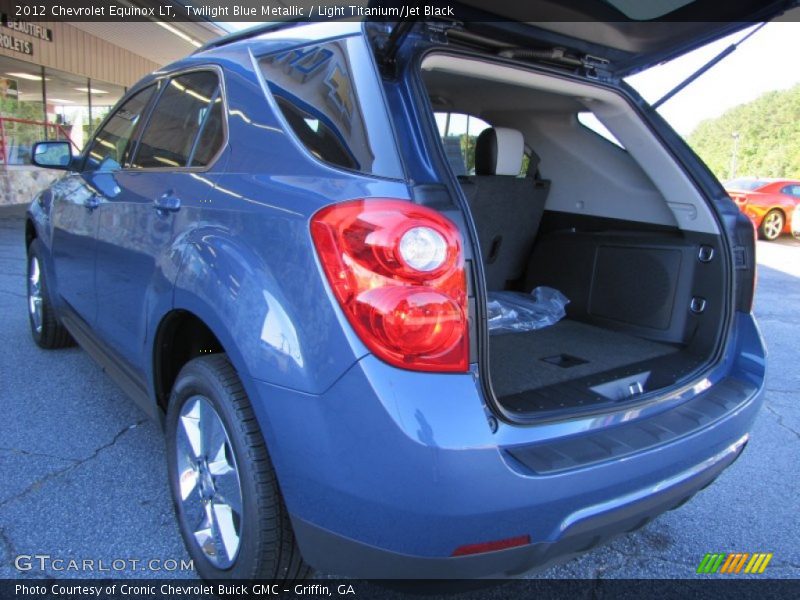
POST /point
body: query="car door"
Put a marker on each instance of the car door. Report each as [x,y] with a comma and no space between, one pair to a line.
[169,168]
[77,199]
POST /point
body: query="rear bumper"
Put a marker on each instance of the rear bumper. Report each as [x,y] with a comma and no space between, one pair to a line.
[388,472]
[338,554]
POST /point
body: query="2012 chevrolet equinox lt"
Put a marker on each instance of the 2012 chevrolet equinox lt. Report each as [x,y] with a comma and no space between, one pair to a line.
[278,247]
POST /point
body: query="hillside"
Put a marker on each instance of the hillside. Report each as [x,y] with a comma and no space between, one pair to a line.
[769,137]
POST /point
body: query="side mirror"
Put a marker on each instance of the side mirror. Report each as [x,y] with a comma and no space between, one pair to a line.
[52,155]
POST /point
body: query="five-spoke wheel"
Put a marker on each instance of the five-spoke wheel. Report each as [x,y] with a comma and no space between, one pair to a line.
[35,293]
[772,225]
[230,510]
[46,328]
[209,482]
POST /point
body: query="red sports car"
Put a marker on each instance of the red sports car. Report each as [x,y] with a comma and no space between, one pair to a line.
[770,203]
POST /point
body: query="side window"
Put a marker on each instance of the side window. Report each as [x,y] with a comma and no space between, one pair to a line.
[113,144]
[211,136]
[322,90]
[459,133]
[188,104]
[792,190]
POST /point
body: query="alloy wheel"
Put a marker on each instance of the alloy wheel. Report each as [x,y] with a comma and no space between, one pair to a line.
[208,480]
[773,225]
[35,293]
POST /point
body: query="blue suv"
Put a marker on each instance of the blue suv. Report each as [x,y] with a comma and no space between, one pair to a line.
[309,250]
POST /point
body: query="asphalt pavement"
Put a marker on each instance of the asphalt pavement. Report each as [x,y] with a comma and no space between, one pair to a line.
[83,475]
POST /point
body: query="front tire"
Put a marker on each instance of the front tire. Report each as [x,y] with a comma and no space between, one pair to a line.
[46,330]
[230,510]
[772,225]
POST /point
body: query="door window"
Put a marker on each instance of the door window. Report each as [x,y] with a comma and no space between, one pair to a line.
[211,136]
[189,105]
[113,144]
[792,190]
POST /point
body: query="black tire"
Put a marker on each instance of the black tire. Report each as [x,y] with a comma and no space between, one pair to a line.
[772,225]
[48,333]
[266,546]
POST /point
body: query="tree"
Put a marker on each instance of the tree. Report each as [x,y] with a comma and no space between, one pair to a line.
[768,131]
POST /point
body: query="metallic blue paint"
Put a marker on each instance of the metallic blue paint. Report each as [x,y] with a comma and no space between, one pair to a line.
[402,461]
[388,456]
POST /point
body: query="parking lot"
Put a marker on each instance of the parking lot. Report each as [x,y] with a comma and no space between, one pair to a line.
[83,471]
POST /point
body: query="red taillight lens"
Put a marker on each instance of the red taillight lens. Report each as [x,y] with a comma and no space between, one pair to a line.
[739,199]
[397,270]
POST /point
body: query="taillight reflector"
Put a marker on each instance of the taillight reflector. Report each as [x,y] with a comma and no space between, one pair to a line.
[480,548]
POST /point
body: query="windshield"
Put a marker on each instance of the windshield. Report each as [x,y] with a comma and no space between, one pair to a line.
[745,184]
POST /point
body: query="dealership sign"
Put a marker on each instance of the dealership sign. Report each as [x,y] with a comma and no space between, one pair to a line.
[15,44]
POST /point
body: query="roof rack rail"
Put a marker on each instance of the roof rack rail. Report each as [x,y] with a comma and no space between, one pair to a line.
[242,34]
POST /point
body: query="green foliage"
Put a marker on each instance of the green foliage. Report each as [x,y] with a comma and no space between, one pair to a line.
[19,137]
[769,137]
[468,143]
[468,151]
[11,107]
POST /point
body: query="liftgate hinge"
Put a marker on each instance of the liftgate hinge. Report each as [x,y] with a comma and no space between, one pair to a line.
[595,67]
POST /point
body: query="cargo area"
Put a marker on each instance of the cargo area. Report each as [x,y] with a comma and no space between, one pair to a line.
[568,350]
[568,190]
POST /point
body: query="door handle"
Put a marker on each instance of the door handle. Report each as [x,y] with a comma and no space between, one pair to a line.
[92,202]
[168,202]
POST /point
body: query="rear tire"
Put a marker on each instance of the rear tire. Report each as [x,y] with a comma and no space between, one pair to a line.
[772,225]
[230,510]
[46,329]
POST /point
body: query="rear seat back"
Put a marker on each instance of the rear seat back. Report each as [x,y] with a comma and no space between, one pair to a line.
[506,208]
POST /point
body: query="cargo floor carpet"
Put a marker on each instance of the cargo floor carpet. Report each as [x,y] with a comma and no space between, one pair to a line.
[516,358]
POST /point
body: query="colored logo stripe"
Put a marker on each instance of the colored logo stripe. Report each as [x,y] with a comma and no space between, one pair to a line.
[734,562]
[758,563]
[740,564]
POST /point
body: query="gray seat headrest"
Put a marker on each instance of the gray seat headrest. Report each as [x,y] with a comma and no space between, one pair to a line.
[499,151]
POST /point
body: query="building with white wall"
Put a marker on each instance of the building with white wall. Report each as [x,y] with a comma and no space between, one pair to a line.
[59,80]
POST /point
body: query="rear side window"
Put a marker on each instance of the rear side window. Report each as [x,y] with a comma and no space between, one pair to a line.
[792,190]
[320,91]
[112,145]
[188,111]
[459,132]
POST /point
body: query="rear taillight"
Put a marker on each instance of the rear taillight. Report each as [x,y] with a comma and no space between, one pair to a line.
[739,199]
[397,270]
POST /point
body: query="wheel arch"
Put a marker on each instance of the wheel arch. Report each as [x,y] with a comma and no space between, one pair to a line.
[275,325]
[180,337]
[30,232]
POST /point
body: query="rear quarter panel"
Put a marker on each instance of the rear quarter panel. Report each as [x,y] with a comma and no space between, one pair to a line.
[248,266]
